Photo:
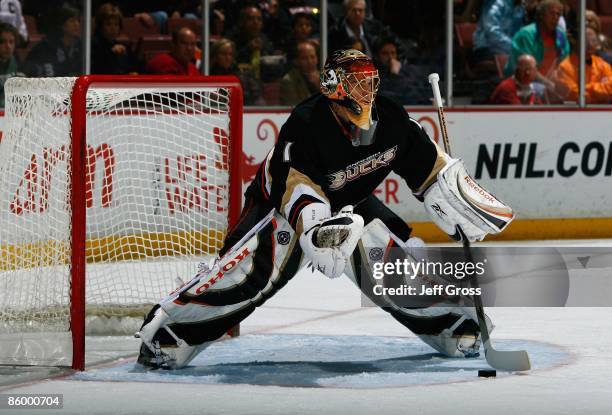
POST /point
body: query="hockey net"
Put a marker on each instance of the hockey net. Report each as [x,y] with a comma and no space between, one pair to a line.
[111,189]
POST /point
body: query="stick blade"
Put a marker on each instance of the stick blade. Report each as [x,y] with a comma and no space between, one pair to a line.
[510,361]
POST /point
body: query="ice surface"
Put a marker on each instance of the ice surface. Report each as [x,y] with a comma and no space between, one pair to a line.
[324,361]
[314,316]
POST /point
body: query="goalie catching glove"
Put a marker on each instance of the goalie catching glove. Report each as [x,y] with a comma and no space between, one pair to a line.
[462,208]
[329,242]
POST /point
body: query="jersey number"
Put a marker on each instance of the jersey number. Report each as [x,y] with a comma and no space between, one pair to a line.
[287,153]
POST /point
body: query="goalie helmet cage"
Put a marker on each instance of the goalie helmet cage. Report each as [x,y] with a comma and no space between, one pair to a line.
[115,234]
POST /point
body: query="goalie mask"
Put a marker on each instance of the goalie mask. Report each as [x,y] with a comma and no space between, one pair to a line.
[350,80]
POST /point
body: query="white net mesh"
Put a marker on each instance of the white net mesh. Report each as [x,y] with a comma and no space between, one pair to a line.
[157,173]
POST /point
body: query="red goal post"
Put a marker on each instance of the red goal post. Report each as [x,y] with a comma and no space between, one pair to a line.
[202,179]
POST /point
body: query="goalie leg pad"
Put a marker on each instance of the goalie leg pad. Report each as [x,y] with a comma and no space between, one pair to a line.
[222,293]
[451,329]
[243,275]
[462,208]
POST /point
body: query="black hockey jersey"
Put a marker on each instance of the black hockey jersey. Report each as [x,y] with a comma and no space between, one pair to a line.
[315,161]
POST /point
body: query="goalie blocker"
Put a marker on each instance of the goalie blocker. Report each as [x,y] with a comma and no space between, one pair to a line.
[461,207]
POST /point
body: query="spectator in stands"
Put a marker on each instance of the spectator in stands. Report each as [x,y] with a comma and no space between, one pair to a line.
[530,10]
[354,26]
[302,30]
[251,42]
[303,79]
[519,89]
[149,12]
[109,56]
[8,63]
[386,58]
[499,21]
[186,9]
[217,20]
[222,58]
[357,44]
[180,61]
[593,21]
[222,62]
[465,11]
[598,75]
[10,12]
[150,19]
[543,40]
[60,53]
[279,18]
[605,51]
[274,25]
[400,81]
[44,11]
[568,21]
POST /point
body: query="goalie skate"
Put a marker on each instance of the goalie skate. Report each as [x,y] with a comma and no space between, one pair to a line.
[167,357]
[153,355]
[452,344]
[465,345]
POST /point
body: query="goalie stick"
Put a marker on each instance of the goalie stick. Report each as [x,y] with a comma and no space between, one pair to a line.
[515,360]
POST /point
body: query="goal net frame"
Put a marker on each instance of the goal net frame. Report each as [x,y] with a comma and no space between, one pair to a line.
[78,177]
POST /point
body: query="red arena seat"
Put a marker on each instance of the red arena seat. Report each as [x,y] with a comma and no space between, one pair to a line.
[194,24]
[134,29]
[606,25]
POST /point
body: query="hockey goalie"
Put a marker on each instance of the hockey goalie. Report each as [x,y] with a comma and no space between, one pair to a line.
[312,203]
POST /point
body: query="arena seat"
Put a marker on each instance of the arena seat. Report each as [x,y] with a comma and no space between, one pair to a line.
[22,53]
[34,37]
[606,25]
[465,34]
[271,93]
[604,7]
[149,46]
[33,34]
[590,5]
[194,24]
[134,29]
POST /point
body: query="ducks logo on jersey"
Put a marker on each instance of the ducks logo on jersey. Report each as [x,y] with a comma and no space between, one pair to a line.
[361,168]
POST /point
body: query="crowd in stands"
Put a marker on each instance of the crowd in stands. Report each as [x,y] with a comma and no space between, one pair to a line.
[112,56]
[527,51]
[8,63]
[508,51]
[302,80]
[272,46]
[520,88]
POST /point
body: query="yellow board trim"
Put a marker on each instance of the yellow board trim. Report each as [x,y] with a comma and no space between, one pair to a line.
[152,245]
[531,229]
[112,249]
